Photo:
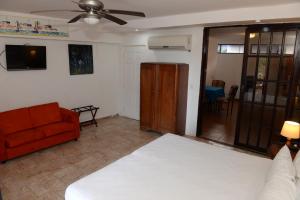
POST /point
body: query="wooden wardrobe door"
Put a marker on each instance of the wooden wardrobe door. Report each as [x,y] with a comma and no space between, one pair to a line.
[167,98]
[147,92]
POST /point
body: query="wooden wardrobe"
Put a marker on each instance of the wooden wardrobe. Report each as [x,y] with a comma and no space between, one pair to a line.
[163,92]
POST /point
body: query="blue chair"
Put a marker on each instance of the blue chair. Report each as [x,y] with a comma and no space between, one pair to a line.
[218,83]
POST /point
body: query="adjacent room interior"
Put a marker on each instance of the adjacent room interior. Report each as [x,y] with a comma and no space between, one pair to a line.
[139,100]
[256,105]
[222,84]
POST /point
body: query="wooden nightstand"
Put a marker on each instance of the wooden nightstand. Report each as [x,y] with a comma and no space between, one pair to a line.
[274,149]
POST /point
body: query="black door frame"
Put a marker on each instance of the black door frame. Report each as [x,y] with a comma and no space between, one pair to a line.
[205,58]
[205,46]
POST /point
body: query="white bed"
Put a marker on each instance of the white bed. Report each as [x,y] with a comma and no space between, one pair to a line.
[176,168]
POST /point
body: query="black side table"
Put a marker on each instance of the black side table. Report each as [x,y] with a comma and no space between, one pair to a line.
[92,109]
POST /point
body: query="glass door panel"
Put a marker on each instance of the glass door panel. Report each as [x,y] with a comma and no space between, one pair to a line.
[258,94]
[283,93]
[253,43]
[277,43]
[270,93]
[264,44]
[296,102]
[245,119]
[290,39]
[253,129]
[287,68]
[267,79]
[262,68]
[274,69]
[266,128]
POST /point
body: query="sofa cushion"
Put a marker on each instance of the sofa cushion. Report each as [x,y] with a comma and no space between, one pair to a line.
[56,128]
[23,137]
[15,120]
[45,114]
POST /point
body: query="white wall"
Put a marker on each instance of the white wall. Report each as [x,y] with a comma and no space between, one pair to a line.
[226,67]
[139,52]
[25,88]
[132,57]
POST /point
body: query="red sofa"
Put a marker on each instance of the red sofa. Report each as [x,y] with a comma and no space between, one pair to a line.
[26,130]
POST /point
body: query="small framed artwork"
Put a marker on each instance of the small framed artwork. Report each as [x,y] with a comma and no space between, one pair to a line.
[81,59]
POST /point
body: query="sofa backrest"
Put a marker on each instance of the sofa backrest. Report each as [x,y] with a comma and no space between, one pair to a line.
[45,114]
[14,121]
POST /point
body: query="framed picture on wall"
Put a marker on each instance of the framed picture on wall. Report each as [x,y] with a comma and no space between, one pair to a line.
[81,59]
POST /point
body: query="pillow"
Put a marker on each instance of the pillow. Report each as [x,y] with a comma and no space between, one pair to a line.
[298,190]
[297,165]
[278,188]
[282,166]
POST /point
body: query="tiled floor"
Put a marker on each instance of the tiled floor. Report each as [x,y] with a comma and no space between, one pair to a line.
[46,174]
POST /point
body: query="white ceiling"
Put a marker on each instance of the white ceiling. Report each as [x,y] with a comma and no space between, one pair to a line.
[152,8]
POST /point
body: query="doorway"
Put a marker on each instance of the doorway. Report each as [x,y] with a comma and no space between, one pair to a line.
[222,83]
[269,87]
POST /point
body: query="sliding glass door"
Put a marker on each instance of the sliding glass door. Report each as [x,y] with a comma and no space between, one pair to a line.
[270,87]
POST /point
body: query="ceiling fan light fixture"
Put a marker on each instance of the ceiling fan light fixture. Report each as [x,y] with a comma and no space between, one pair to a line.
[91,20]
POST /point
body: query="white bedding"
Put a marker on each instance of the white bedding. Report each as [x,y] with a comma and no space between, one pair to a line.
[175,168]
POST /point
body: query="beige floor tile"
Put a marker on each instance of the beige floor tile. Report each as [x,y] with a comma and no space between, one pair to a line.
[46,174]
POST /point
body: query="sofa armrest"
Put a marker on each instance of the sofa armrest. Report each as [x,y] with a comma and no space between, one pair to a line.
[69,116]
[2,147]
[72,117]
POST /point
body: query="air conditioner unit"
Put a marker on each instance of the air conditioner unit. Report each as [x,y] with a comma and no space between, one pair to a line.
[176,42]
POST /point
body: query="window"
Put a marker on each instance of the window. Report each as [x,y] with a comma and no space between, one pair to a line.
[230,48]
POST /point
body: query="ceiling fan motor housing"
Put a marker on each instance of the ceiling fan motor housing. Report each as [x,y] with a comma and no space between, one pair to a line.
[91,5]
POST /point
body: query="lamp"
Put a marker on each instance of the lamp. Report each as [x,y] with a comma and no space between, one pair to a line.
[290,130]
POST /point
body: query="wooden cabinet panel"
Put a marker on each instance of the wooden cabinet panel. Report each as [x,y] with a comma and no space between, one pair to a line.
[147,92]
[182,95]
[164,97]
[167,98]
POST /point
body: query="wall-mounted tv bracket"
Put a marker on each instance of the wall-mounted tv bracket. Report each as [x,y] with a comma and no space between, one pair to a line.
[2,52]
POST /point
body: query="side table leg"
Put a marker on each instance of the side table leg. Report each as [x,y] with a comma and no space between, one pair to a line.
[94,115]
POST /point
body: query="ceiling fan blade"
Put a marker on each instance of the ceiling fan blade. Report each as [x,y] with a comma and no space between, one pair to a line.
[114,19]
[78,17]
[125,12]
[46,11]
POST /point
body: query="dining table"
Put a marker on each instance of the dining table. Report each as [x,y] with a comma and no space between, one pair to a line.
[212,93]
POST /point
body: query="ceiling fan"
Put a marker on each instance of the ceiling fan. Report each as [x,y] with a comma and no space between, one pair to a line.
[93,10]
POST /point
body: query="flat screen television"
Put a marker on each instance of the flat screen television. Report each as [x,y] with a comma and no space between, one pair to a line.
[24,57]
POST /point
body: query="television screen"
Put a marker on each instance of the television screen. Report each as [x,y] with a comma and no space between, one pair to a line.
[23,57]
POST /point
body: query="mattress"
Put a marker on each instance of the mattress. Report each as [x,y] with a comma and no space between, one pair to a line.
[176,168]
